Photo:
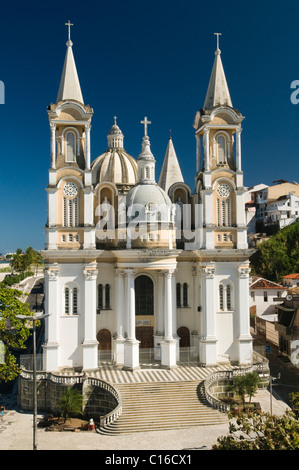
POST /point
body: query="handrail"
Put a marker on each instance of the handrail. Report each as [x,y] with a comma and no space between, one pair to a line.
[259,367]
[81,379]
[114,414]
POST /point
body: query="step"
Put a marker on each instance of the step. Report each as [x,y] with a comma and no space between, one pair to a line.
[154,406]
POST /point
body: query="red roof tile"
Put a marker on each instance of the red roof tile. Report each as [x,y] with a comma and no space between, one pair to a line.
[265,284]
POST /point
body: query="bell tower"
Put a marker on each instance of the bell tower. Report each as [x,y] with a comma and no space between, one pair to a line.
[70,196]
[219,176]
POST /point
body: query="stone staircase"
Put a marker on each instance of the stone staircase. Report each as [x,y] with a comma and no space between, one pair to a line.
[156,406]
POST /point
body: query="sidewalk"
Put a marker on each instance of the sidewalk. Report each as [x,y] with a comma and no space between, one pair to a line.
[16,434]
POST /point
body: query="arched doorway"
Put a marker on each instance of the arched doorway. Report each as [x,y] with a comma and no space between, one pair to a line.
[144,309]
[104,347]
[184,336]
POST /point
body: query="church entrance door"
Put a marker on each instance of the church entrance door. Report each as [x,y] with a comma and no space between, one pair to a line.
[144,334]
[184,336]
[104,347]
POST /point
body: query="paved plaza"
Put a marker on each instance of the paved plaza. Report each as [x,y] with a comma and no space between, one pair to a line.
[16,433]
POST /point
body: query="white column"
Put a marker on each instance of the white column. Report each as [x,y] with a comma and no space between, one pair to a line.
[120,316]
[131,346]
[90,343]
[238,149]
[198,152]
[207,149]
[208,340]
[159,318]
[51,346]
[244,339]
[87,146]
[168,345]
[174,317]
[53,145]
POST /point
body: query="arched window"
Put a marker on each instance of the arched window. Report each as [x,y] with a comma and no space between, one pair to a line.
[221,149]
[104,291]
[185,294]
[70,212]
[225,296]
[223,205]
[100,296]
[182,295]
[221,303]
[178,295]
[144,295]
[67,301]
[107,296]
[70,144]
[75,301]
[70,300]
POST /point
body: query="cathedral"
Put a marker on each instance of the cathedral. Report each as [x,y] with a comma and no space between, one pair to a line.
[139,267]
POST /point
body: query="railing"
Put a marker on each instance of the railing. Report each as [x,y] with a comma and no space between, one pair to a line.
[187,355]
[261,366]
[80,379]
[114,414]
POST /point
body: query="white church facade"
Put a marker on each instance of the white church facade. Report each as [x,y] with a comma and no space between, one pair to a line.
[135,264]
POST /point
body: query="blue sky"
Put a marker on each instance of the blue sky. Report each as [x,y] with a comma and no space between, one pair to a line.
[138,59]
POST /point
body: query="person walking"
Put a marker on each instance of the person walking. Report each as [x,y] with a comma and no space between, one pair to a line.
[2,410]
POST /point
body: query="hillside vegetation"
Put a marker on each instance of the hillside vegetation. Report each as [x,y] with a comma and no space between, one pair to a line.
[279,255]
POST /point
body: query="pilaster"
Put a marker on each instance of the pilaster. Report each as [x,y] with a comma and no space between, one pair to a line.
[90,343]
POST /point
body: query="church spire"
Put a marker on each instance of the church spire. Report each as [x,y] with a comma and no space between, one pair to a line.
[218,92]
[69,88]
[171,171]
[146,160]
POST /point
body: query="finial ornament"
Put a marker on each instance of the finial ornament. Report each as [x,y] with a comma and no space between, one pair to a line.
[145,122]
[218,34]
[115,118]
[69,24]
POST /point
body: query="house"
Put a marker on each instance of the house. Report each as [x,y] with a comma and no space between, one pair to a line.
[291,280]
[262,298]
[287,325]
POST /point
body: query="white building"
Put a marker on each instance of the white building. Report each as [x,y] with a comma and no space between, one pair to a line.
[283,211]
[291,280]
[262,297]
[120,280]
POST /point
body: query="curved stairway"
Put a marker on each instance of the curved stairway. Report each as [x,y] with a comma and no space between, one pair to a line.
[156,406]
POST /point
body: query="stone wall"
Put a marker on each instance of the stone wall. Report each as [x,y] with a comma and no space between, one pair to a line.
[96,401]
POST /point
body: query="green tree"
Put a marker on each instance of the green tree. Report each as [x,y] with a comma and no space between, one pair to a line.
[246,384]
[279,255]
[261,431]
[70,403]
[252,380]
[294,399]
[13,332]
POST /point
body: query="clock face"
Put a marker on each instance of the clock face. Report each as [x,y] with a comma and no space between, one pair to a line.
[70,189]
[223,190]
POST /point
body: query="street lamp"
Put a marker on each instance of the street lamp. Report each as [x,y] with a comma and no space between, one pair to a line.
[271,380]
[34,319]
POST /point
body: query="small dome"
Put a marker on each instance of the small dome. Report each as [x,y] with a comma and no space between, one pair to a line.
[148,196]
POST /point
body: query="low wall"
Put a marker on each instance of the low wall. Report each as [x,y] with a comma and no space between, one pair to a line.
[97,401]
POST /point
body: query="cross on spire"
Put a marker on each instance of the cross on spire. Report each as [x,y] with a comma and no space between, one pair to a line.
[69,24]
[145,122]
[218,34]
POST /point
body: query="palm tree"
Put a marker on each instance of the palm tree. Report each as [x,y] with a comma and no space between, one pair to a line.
[70,403]
[252,380]
[246,385]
